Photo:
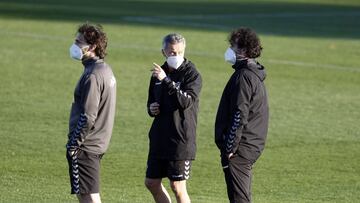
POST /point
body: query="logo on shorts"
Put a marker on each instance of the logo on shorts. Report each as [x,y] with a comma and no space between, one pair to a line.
[187,170]
[177,176]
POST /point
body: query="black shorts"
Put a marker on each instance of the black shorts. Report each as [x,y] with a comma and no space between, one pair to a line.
[84,171]
[174,170]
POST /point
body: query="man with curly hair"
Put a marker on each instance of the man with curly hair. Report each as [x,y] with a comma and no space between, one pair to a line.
[92,113]
[242,119]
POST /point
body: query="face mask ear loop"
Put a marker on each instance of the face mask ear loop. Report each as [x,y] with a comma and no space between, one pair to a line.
[85,49]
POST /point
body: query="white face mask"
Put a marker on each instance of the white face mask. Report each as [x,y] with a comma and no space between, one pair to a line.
[230,56]
[76,52]
[175,61]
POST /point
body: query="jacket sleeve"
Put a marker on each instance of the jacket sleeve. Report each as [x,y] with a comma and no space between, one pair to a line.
[221,122]
[90,99]
[151,98]
[240,101]
[189,92]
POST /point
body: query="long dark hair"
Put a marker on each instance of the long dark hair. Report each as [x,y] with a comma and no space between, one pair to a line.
[247,39]
[94,35]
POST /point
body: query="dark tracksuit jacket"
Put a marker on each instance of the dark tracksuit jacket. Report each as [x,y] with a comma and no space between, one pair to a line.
[93,110]
[242,119]
[173,132]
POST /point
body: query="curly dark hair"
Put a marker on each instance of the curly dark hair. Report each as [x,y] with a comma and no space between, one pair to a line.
[247,39]
[94,35]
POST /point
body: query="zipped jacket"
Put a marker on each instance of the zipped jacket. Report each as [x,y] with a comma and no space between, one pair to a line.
[242,118]
[93,110]
[173,132]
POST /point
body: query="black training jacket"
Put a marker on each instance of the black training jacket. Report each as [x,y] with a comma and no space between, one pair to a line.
[242,119]
[173,132]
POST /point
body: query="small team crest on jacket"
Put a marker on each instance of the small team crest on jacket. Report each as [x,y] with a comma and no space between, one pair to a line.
[177,85]
[112,81]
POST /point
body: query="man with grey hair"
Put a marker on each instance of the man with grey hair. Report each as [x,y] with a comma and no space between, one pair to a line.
[173,101]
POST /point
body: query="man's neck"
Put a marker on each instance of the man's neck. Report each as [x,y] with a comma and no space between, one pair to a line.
[171,70]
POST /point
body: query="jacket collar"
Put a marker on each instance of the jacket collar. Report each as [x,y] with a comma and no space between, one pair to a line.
[253,66]
[93,60]
[240,64]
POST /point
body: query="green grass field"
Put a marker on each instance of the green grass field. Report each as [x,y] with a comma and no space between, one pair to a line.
[311,52]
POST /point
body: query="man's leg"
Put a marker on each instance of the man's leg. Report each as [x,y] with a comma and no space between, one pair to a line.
[89,198]
[179,189]
[155,171]
[238,176]
[84,170]
[157,190]
[178,173]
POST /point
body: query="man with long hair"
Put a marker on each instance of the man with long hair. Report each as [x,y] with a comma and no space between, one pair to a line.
[242,118]
[92,113]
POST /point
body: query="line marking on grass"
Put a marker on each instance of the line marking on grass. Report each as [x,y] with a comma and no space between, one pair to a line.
[196,53]
[314,65]
[288,62]
[34,35]
[169,21]
[176,20]
[250,15]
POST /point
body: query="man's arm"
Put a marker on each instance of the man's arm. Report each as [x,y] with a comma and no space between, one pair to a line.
[240,100]
[189,93]
[151,97]
[90,99]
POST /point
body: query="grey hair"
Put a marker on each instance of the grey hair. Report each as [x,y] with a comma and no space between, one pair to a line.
[173,38]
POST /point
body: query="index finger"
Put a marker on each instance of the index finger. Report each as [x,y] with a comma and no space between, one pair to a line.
[156,65]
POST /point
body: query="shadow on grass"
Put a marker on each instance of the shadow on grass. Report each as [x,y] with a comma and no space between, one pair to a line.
[287,19]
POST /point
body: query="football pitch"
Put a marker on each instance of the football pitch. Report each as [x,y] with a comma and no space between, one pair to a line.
[311,54]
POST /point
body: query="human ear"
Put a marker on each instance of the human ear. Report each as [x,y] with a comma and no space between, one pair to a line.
[92,48]
[163,53]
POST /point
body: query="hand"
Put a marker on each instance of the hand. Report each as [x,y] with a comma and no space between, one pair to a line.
[158,72]
[72,152]
[154,108]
